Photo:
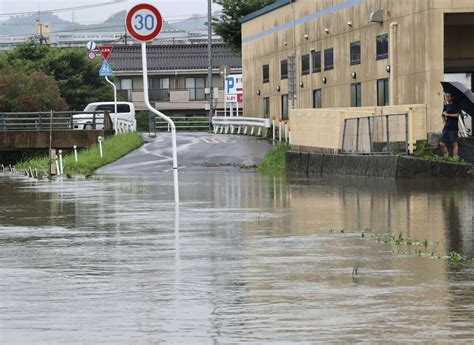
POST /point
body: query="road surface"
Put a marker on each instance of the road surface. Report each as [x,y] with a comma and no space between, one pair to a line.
[196,152]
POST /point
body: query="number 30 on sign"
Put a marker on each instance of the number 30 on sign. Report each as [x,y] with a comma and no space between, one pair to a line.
[144,22]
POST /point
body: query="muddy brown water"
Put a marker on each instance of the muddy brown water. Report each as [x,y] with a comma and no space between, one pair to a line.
[244,259]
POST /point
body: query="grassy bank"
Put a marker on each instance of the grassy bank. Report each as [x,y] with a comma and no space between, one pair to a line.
[89,159]
[274,161]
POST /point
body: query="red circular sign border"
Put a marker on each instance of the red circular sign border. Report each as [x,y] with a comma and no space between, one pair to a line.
[129,20]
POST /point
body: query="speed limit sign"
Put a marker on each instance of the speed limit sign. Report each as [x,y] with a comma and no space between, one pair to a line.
[144,22]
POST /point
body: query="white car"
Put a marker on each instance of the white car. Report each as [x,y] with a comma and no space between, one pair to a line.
[93,115]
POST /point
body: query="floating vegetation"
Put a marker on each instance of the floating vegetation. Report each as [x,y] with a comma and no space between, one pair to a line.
[421,248]
[456,257]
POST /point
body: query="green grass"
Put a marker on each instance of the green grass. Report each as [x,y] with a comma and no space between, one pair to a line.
[89,159]
[274,161]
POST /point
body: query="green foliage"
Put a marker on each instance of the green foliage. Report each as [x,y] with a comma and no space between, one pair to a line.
[228,25]
[78,78]
[37,91]
[89,159]
[425,151]
[274,161]
[143,124]
[455,256]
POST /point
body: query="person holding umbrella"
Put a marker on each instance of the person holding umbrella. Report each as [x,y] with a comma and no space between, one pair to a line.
[451,113]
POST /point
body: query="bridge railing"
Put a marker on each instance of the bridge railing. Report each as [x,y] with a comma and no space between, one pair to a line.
[42,121]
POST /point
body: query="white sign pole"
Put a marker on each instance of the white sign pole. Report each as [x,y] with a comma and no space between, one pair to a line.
[164,117]
[115,100]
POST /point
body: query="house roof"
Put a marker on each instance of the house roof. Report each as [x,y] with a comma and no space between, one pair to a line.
[173,57]
[264,10]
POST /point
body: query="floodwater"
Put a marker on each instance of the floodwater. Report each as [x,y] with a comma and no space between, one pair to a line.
[244,259]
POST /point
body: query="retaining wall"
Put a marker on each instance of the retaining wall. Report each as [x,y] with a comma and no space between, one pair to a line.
[61,139]
[386,166]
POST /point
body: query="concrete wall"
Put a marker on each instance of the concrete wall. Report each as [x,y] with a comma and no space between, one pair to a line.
[60,139]
[323,128]
[419,48]
[384,166]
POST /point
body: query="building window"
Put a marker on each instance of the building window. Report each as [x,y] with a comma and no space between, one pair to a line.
[266,107]
[382,92]
[196,88]
[284,107]
[317,99]
[305,64]
[266,73]
[125,88]
[328,59]
[356,95]
[159,89]
[355,53]
[382,47]
[284,69]
[316,57]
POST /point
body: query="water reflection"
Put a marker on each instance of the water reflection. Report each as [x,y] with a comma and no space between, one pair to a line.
[243,258]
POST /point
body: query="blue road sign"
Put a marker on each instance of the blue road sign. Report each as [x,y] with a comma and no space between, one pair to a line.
[106,70]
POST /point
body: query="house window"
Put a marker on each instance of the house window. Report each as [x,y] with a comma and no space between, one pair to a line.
[316,58]
[196,88]
[317,99]
[284,69]
[382,47]
[328,59]
[266,107]
[305,64]
[356,95]
[355,53]
[382,92]
[284,107]
[159,89]
[125,88]
[266,73]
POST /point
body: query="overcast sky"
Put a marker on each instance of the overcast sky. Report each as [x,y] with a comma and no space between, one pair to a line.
[170,9]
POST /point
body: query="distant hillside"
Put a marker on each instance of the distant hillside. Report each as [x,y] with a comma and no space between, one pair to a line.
[25,25]
[195,22]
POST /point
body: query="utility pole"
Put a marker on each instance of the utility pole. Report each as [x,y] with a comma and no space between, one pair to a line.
[209,58]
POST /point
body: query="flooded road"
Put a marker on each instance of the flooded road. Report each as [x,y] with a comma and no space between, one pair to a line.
[245,259]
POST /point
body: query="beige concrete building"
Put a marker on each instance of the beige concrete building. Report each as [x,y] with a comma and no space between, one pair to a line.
[355,53]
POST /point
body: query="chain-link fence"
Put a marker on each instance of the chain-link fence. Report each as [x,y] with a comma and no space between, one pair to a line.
[383,134]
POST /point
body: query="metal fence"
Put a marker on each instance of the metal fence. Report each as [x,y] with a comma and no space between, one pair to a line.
[42,121]
[382,134]
[189,123]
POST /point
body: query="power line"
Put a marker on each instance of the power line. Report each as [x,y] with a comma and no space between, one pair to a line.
[60,10]
[73,30]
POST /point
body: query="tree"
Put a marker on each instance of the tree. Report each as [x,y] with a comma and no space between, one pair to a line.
[78,78]
[29,92]
[228,24]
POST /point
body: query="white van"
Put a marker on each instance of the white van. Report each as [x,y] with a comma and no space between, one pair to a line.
[125,111]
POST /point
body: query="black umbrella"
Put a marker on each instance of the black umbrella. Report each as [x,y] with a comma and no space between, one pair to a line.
[462,95]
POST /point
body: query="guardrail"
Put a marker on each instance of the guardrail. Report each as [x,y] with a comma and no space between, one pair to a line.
[122,126]
[228,124]
[62,120]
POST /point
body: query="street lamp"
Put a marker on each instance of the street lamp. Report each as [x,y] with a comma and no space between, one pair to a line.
[209,60]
